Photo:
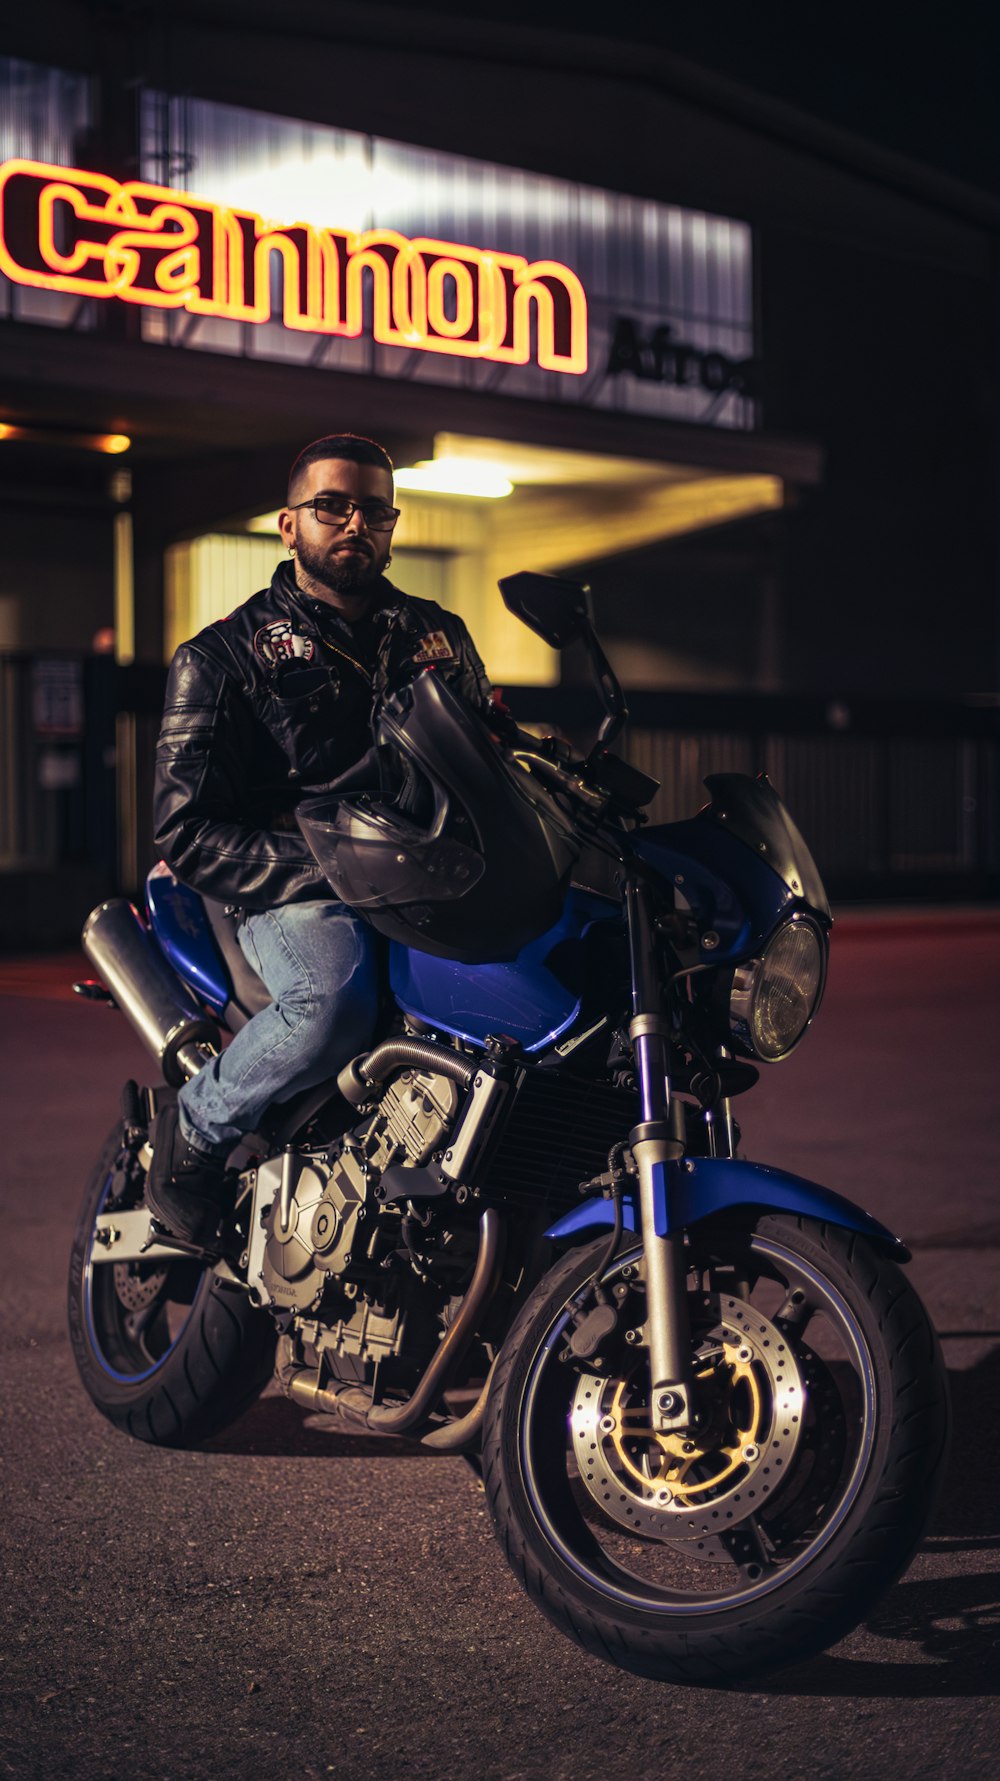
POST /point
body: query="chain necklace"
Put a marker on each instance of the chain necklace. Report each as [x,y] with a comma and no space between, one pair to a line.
[366,673]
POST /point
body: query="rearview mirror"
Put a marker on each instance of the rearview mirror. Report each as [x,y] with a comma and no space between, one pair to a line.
[553,608]
[557,610]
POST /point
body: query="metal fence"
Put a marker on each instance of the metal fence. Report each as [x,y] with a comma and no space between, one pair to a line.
[898,800]
[47,776]
[77,736]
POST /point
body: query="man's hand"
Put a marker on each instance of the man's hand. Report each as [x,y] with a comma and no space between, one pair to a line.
[385,774]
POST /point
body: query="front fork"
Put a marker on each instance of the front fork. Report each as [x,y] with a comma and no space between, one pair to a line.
[657,1142]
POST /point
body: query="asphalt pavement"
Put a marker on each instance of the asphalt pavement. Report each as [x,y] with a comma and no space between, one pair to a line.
[293,1603]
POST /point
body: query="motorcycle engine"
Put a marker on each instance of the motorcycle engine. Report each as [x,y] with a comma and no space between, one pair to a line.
[334,1207]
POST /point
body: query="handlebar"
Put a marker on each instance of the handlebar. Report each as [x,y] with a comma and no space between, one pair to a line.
[565,779]
[602,782]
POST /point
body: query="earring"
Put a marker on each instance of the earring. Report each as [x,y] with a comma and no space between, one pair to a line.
[291,550]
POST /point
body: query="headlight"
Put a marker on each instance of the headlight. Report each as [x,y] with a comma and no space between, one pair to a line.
[774,998]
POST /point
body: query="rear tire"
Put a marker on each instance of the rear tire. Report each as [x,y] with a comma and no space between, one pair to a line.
[659,1562]
[167,1353]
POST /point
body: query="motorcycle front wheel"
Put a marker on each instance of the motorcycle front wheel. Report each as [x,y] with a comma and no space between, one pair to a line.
[167,1353]
[766,1533]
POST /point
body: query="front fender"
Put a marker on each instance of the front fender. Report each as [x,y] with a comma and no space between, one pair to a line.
[701,1187]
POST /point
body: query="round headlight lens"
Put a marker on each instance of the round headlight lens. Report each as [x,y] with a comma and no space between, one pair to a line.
[774,998]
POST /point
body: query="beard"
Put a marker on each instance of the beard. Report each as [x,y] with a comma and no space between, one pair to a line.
[350,573]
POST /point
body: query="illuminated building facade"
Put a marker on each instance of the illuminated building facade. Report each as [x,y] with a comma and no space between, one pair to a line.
[734,369]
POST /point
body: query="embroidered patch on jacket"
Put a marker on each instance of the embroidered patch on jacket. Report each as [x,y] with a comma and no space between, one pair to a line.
[279,643]
[435,648]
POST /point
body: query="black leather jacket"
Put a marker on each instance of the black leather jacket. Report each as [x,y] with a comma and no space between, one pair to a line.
[272,701]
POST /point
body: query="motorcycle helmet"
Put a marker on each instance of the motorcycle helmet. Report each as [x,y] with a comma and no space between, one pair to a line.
[457,850]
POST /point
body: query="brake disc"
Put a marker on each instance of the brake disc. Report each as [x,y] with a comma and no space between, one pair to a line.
[138,1283]
[696,1485]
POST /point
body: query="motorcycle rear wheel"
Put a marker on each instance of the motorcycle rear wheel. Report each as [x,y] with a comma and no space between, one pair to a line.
[770,1535]
[167,1353]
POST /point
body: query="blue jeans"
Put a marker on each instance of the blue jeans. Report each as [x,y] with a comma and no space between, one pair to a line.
[320,963]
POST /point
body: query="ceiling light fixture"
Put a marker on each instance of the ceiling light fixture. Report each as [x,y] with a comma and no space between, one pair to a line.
[455,476]
[111,443]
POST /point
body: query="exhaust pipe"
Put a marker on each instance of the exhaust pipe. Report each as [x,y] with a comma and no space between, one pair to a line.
[353,1404]
[399,1419]
[148,990]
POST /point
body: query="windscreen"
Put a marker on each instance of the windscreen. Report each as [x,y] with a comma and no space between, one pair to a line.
[752,811]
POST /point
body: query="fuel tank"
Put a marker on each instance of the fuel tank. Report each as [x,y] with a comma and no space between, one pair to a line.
[552,986]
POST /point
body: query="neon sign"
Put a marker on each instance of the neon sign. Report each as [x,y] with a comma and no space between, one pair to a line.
[62,229]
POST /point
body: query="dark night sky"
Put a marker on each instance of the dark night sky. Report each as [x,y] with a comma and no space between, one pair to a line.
[921,80]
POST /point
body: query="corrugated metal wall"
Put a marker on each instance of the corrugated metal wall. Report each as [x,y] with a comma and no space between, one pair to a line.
[207,578]
[43,113]
[654,262]
[881,809]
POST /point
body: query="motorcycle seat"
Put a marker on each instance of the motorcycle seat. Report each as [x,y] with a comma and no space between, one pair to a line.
[249,994]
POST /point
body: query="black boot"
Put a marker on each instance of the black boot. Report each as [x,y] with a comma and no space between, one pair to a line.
[185,1188]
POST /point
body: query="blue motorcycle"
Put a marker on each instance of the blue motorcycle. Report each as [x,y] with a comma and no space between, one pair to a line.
[710,1412]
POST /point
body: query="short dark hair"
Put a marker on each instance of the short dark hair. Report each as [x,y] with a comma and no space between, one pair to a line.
[352,446]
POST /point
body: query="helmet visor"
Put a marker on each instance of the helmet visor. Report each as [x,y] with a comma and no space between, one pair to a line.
[374,861]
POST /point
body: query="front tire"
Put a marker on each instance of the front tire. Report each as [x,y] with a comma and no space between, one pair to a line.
[166,1352]
[804,1494]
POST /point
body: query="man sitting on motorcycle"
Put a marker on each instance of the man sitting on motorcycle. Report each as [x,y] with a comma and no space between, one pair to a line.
[261,706]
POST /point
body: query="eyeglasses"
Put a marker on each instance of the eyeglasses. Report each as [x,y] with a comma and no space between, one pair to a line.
[337,510]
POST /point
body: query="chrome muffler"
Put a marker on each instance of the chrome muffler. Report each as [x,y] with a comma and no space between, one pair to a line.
[148,990]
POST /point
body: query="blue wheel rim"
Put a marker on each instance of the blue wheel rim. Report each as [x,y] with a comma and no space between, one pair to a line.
[617,1590]
[94,1339]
